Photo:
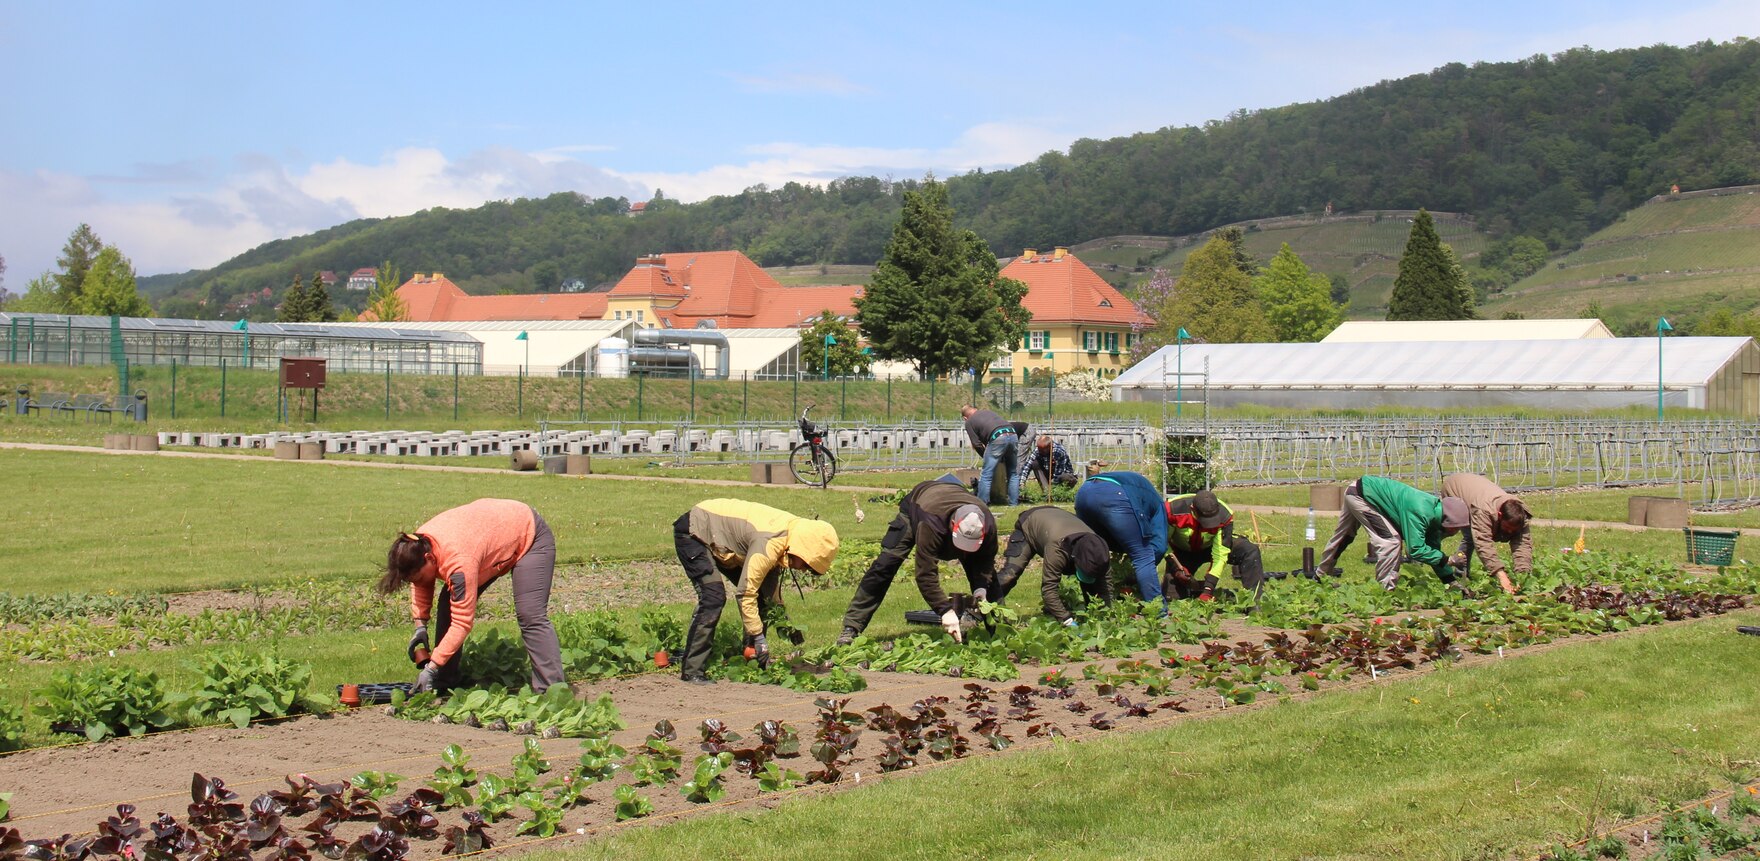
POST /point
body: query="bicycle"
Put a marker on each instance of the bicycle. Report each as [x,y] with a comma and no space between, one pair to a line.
[813,464]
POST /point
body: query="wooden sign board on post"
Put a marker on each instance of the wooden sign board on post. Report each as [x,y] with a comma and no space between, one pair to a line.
[304,372]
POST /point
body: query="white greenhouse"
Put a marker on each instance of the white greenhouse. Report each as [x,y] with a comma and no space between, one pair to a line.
[1717,374]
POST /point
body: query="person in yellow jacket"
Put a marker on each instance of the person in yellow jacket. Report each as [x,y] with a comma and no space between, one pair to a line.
[749,544]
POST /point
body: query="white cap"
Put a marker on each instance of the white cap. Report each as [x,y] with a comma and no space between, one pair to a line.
[968,527]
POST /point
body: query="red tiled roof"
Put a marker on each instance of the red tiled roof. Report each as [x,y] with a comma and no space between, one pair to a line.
[1064,290]
[439,300]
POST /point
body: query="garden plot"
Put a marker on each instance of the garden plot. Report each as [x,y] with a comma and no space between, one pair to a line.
[1725,826]
[670,757]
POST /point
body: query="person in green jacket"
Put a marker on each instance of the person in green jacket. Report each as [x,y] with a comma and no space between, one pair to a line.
[1402,521]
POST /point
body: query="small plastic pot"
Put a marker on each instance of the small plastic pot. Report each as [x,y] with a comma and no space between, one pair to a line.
[662,660]
[751,653]
[350,696]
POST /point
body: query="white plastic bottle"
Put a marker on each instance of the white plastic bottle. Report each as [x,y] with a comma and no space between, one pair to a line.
[1309,532]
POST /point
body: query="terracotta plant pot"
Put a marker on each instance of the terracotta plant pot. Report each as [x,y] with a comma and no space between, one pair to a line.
[662,660]
[750,653]
[350,696]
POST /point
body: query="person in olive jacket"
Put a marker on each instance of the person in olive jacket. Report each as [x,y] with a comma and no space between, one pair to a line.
[749,544]
[1069,548]
[942,521]
[1402,521]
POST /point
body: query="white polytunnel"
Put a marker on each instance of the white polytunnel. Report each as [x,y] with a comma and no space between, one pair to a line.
[1717,374]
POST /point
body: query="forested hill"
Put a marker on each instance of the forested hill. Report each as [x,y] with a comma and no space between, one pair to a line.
[1553,147]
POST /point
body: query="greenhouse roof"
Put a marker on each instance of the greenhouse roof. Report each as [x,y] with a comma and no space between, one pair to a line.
[223,327]
[1467,330]
[1590,363]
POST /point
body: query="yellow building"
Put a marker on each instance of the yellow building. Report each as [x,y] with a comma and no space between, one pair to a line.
[1079,320]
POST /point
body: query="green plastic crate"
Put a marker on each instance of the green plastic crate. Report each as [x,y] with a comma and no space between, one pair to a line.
[1710,546]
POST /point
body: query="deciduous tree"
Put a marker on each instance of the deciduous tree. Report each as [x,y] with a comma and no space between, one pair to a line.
[1214,300]
[1430,284]
[935,299]
[40,297]
[109,288]
[1298,302]
[384,304]
[847,357]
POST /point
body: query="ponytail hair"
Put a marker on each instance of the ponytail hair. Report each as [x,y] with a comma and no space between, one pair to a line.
[407,556]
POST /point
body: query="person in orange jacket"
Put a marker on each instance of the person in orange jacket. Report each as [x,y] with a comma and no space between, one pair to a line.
[465,549]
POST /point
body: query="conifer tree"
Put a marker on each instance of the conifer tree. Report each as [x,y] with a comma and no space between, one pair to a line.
[293,303]
[1431,284]
[318,307]
[935,299]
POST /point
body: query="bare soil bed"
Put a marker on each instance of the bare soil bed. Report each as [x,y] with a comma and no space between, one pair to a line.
[68,789]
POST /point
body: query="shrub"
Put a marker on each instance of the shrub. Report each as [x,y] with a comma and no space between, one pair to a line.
[240,687]
[105,701]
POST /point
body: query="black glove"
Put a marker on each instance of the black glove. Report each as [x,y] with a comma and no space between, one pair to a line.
[419,639]
[761,650]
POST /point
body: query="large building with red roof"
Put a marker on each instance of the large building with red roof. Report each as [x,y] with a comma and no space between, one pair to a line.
[1079,320]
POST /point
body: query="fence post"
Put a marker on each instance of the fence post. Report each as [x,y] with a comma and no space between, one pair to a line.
[641,379]
[931,397]
[1050,392]
[745,387]
[888,399]
[843,400]
[794,408]
[691,371]
[580,397]
[223,388]
[387,391]
[174,387]
[455,391]
[522,392]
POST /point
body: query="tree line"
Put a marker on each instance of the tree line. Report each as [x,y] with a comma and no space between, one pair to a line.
[1551,148]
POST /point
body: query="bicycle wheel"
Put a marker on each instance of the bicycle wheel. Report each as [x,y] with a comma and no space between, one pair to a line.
[827,465]
[806,470]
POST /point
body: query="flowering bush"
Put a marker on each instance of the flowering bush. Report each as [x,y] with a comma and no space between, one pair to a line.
[1086,383]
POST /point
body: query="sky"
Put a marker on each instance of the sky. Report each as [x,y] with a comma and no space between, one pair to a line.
[186,132]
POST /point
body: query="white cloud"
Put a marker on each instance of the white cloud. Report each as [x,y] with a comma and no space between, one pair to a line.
[261,200]
[987,146]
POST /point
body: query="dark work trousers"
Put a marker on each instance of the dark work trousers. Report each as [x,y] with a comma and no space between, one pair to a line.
[532,576]
[1243,557]
[895,548]
[706,577]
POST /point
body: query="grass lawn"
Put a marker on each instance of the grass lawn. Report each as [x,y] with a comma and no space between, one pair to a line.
[91,522]
[1484,762]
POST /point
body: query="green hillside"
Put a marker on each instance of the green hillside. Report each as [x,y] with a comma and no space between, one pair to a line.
[1551,147]
[1676,256]
[1364,247]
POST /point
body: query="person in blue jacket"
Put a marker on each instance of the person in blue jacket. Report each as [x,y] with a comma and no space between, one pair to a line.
[1128,511]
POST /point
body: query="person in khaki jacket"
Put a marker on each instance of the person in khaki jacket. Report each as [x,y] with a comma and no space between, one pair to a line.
[1494,515]
[749,544]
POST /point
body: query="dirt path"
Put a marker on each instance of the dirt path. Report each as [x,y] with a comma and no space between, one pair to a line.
[68,789]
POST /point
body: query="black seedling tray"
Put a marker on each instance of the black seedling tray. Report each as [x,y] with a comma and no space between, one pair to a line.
[378,693]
